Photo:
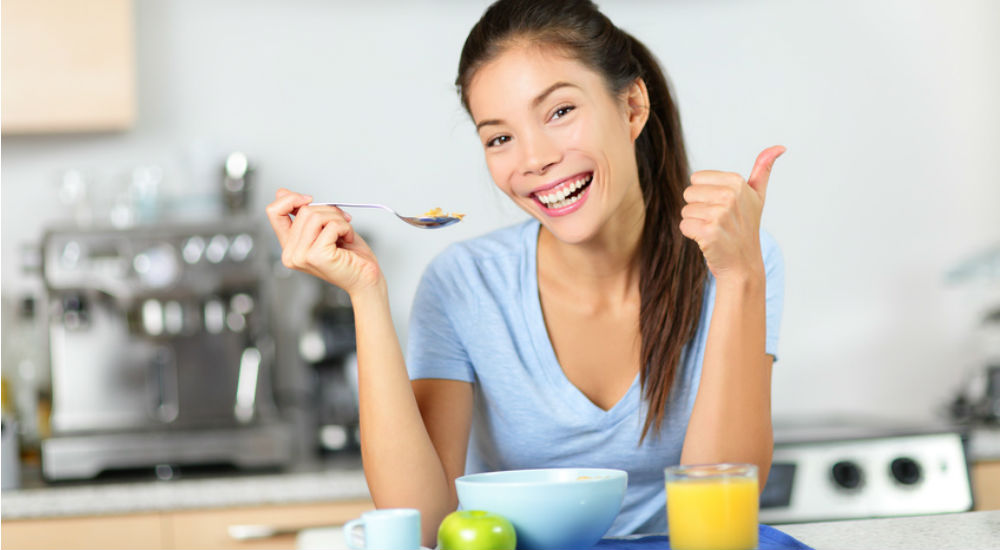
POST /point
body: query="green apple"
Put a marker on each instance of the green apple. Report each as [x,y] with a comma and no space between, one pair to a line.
[476,530]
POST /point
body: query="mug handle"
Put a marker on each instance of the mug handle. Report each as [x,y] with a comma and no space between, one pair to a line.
[349,528]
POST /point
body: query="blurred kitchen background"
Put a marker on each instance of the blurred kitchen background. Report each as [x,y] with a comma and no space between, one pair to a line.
[150,331]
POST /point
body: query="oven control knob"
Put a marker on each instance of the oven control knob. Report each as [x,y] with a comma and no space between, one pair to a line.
[847,474]
[905,470]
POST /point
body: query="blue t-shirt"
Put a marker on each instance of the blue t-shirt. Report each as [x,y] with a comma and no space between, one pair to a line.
[477,317]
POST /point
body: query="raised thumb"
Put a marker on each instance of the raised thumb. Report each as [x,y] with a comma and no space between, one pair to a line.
[762,168]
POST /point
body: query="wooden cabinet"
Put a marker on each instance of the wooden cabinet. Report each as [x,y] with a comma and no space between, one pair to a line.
[68,66]
[111,532]
[986,484]
[187,529]
[210,528]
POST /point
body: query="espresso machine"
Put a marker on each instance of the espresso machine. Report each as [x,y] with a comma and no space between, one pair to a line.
[160,348]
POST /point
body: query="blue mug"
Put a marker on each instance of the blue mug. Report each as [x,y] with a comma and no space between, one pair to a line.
[387,529]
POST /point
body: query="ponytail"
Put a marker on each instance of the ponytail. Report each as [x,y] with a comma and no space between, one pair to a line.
[672,272]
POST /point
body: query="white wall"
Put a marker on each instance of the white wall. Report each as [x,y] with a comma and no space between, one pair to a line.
[888,110]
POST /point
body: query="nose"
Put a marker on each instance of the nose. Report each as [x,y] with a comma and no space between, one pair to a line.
[539,153]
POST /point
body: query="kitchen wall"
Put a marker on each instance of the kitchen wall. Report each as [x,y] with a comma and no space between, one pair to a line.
[888,110]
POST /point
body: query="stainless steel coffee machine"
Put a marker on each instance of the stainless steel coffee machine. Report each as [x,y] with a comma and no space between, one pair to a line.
[160,349]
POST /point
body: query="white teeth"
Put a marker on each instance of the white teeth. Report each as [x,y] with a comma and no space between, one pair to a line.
[557,198]
[564,203]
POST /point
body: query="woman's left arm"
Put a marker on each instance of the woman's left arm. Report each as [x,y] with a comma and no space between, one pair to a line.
[731,419]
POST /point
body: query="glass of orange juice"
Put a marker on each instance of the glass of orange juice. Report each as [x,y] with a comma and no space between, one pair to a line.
[712,506]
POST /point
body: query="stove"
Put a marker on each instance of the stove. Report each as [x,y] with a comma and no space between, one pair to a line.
[858,469]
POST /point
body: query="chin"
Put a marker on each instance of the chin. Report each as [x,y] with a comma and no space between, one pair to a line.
[571,231]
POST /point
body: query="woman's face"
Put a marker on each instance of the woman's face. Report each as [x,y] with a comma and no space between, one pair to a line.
[557,142]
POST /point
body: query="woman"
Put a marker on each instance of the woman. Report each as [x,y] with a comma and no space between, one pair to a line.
[631,323]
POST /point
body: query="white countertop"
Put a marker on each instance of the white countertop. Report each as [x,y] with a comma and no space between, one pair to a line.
[965,531]
[146,496]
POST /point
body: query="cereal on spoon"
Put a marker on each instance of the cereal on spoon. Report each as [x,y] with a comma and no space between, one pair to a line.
[440,213]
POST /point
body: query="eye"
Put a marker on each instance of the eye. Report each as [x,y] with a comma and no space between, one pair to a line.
[499,140]
[562,111]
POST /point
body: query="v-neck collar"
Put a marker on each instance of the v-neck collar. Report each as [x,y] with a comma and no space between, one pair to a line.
[545,351]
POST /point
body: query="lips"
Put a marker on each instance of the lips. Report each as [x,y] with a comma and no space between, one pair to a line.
[565,192]
[565,197]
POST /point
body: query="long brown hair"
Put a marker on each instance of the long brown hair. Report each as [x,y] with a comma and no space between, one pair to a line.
[672,272]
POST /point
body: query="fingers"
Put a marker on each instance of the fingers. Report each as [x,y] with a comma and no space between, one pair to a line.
[711,194]
[695,229]
[703,211]
[308,225]
[279,212]
[761,172]
[328,240]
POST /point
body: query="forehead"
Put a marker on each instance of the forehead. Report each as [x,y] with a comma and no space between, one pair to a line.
[513,79]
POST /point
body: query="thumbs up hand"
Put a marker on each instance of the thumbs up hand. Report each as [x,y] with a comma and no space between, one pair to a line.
[723,215]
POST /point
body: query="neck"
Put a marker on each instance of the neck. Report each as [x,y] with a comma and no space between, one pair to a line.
[605,266]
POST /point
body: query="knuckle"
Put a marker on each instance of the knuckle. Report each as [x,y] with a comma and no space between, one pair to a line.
[314,257]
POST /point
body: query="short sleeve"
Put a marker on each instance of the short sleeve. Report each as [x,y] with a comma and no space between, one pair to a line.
[774,269]
[435,346]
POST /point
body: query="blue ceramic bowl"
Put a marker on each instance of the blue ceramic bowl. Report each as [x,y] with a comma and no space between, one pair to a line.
[549,508]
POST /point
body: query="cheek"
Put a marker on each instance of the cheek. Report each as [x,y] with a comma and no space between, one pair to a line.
[578,136]
[501,170]
[620,145]
[600,134]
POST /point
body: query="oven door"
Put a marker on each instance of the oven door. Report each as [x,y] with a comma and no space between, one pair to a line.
[866,477]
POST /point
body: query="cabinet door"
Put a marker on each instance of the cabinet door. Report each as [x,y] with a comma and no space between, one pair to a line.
[68,66]
[986,485]
[132,531]
[210,528]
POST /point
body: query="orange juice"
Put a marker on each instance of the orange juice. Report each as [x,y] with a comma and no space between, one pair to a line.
[713,512]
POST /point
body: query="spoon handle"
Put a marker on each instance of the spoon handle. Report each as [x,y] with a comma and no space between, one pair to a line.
[352,205]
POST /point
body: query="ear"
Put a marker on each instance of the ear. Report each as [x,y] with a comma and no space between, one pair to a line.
[637,107]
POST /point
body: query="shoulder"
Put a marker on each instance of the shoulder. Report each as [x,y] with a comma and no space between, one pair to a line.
[774,260]
[487,259]
[502,245]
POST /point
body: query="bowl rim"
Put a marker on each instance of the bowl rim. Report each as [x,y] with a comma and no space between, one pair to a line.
[604,473]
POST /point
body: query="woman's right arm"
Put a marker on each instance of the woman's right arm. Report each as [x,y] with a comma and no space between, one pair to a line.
[413,437]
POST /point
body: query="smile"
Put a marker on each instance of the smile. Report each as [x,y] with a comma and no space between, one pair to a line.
[566,193]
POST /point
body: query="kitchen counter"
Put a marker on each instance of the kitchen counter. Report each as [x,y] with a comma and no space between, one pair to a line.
[319,483]
[966,531]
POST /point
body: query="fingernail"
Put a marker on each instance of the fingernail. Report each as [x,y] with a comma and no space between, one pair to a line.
[347,216]
[308,198]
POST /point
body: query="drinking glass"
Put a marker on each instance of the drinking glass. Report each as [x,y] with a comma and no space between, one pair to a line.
[712,506]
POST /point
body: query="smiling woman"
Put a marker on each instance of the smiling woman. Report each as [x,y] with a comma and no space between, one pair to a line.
[630,324]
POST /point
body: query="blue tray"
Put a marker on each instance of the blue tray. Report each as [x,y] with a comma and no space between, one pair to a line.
[769,538]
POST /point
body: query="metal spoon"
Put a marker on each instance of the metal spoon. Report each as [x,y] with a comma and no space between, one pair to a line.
[423,222]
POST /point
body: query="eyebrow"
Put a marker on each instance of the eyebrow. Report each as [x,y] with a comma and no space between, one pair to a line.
[534,102]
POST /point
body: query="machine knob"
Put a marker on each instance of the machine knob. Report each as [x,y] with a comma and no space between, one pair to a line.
[906,470]
[847,474]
